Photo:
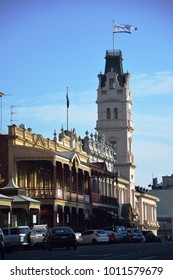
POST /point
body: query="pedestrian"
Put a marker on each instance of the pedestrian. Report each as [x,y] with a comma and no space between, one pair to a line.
[2,250]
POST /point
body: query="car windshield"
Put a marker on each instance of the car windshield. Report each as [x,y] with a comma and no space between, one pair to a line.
[101,231]
[23,230]
[38,231]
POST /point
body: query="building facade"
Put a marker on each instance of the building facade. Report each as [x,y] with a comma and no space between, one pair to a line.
[164,191]
[83,183]
[71,189]
[114,103]
[115,116]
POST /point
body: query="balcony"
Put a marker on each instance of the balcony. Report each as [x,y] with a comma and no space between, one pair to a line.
[60,194]
[102,199]
[39,193]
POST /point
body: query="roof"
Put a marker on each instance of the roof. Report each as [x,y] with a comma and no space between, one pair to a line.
[11,185]
[5,197]
[68,155]
[23,198]
[114,62]
[99,165]
[16,194]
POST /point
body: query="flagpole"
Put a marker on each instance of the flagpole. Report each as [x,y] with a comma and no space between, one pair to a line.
[67,119]
[67,103]
[67,107]
[113,36]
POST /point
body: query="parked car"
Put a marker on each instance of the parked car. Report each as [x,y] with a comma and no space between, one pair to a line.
[118,237]
[36,237]
[151,237]
[136,235]
[11,238]
[15,237]
[60,237]
[113,236]
[115,228]
[41,227]
[126,236]
[23,232]
[2,251]
[94,236]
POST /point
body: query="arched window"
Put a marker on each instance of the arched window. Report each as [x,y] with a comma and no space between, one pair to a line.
[108,113]
[115,113]
[111,83]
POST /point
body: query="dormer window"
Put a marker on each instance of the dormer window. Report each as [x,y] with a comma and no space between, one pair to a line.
[111,83]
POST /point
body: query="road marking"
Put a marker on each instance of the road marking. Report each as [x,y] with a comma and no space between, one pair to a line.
[149,258]
[91,255]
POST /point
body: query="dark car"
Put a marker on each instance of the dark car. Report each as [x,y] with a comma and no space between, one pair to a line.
[136,235]
[60,237]
[126,236]
[151,237]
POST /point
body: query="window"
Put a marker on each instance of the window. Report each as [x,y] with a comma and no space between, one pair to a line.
[111,83]
[115,113]
[108,113]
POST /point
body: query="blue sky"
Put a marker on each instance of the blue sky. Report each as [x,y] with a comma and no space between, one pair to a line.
[47,45]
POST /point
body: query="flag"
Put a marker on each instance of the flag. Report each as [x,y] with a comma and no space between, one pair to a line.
[119,28]
[67,99]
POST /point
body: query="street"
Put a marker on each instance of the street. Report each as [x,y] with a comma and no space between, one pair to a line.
[125,251]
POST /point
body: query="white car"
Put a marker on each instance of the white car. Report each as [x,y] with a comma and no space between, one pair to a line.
[94,236]
[15,237]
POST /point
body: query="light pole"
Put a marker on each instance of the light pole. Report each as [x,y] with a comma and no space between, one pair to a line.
[1,95]
[164,224]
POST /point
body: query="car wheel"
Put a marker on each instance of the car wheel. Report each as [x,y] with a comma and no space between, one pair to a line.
[75,247]
[94,241]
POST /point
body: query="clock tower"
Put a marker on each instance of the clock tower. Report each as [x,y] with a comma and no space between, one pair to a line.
[114,106]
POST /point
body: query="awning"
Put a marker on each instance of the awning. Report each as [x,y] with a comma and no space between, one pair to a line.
[5,201]
[18,199]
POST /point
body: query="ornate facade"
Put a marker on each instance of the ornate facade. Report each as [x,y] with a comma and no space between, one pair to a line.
[58,174]
[83,183]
